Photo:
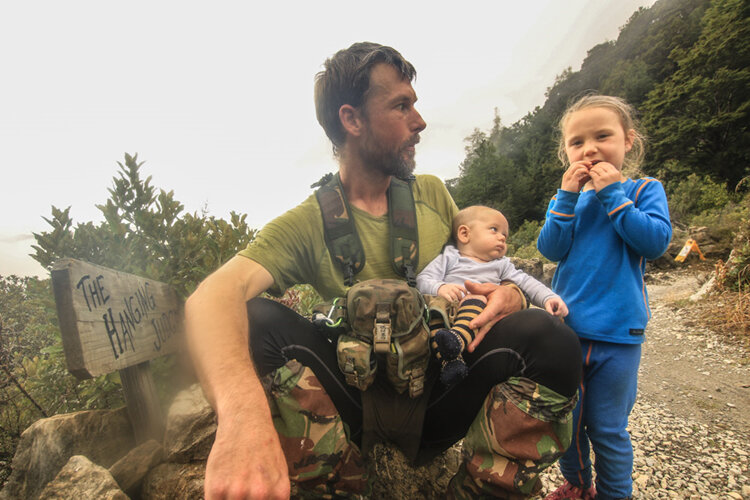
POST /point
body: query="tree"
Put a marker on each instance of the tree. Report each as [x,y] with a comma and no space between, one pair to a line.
[699,116]
[145,233]
[34,382]
[651,50]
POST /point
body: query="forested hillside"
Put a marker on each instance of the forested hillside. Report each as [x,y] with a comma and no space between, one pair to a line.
[684,65]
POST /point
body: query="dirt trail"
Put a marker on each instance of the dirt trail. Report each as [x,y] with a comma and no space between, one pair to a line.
[696,373]
[690,426]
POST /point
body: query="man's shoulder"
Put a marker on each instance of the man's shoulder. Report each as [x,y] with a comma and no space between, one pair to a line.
[428,182]
[303,215]
[430,190]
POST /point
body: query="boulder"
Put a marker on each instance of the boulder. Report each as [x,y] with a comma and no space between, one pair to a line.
[169,481]
[394,477]
[532,267]
[133,467]
[46,446]
[548,274]
[82,479]
[191,427]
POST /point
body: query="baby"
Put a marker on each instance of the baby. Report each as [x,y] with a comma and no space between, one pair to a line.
[480,235]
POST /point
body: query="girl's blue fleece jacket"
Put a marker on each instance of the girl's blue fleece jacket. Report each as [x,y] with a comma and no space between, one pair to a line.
[602,241]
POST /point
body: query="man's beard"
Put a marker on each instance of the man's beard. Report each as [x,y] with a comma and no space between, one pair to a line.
[397,163]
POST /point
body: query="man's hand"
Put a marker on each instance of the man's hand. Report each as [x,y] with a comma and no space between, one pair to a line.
[246,461]
[556,307]
[452,292]
[502,301]
[603,174]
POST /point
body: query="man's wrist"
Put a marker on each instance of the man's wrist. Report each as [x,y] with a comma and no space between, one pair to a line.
[522,296]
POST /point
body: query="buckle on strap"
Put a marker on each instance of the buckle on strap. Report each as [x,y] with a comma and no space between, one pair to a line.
[416,382]
[381,335]
[410,275]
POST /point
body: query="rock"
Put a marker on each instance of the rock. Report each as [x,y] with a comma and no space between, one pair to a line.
[133,467]
[82,479]
[532,267]
[45,447]
[191,427]
[704,289]
[169,481]
[394,477]
[548,273]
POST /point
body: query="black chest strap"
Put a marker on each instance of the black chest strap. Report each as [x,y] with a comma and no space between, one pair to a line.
[343,241]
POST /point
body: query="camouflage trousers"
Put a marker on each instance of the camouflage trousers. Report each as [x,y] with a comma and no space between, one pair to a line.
[322,461]
[521,429]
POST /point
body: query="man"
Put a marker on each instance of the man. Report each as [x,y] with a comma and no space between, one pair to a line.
[522,379]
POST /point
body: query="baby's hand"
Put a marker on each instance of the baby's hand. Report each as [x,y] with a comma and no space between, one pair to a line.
[556,307]
[576,176]
[452,292]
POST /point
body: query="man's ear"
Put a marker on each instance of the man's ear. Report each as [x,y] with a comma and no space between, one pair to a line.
[351,120]
[462,234]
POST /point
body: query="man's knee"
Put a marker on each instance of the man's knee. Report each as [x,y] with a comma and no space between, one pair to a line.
[265,314]
[522,428]
[553,350]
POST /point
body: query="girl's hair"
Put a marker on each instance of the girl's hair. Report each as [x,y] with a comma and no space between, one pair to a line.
[624,111]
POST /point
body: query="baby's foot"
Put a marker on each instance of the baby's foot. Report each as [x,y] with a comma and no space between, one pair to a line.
[448,344]
[453,371]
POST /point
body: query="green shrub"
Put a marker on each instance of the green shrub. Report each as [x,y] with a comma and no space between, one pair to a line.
[145,232]
[34,381]
[735,274]
[695,195]
[722,222]
[522,243]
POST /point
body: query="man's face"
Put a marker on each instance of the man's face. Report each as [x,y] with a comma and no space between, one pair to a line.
[392,123]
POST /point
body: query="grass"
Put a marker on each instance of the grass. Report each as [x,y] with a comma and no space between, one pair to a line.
[727,312]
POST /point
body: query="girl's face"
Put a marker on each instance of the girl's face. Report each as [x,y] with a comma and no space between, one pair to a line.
[596,134]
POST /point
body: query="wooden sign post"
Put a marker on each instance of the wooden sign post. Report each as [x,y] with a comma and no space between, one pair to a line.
[112,320]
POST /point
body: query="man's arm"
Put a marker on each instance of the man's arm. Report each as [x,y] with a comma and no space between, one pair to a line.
[246,460]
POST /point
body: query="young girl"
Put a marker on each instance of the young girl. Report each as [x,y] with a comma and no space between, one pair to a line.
[601,227]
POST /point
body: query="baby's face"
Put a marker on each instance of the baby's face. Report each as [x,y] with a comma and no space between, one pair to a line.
[487,237]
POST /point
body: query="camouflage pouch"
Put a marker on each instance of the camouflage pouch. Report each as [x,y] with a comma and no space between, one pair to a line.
[385,318]
[356,361]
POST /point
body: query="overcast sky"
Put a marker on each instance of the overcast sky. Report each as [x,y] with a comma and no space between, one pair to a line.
[216,97]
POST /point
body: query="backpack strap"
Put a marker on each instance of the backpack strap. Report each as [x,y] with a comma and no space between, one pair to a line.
[343,241]
[341,236]
[402,220]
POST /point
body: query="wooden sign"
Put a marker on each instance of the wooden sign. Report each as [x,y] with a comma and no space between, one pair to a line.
[112,320]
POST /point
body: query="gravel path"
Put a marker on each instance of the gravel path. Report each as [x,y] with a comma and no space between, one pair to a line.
[691,423]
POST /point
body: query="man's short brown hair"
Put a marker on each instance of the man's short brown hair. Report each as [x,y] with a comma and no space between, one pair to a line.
[346,80]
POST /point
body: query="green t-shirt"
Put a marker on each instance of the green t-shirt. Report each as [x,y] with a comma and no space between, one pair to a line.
[292,247]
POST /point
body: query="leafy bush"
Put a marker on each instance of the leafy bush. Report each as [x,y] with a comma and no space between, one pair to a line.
[696,195]
[34,381]
[522,243]
[735,274]
[146,233]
